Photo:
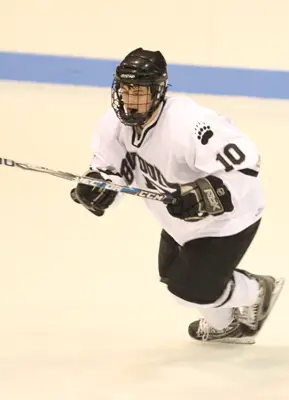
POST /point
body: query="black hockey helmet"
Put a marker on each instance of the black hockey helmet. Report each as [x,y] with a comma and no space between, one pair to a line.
[140,68]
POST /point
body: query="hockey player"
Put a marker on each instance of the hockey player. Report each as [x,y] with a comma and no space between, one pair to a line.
[171,144]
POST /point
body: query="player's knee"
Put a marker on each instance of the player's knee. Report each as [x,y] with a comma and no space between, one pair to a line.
[199,289]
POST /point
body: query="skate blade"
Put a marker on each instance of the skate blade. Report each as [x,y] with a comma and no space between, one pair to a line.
[279,284]
[241,340]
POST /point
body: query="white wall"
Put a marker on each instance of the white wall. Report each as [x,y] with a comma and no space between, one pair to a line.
[212,32]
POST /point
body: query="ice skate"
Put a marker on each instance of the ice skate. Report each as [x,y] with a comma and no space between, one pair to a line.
[247,321]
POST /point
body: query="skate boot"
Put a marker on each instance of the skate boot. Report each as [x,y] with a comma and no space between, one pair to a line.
[269,290]
[235,332]
[246,321]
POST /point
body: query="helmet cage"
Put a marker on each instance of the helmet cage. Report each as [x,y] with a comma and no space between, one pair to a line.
[133,79]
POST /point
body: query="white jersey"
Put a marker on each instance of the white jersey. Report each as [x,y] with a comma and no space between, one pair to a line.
[183,143]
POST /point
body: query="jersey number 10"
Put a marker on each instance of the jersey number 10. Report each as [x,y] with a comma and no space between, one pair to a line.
[231,156]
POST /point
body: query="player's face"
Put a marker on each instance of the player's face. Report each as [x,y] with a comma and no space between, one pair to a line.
[136,98]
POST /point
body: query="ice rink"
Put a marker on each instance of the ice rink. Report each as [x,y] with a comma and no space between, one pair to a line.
[83,315]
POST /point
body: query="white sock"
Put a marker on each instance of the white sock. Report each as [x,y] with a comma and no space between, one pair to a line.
[245,293]
[219,318]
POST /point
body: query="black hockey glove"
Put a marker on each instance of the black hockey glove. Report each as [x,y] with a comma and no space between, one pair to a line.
[197,200]
[94,199]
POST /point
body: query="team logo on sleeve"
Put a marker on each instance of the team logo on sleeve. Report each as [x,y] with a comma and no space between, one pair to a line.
[203,132]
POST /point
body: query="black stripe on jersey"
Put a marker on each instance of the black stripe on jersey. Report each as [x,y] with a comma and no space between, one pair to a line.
[136,142]
[107,172]
[249,172]
[138,138]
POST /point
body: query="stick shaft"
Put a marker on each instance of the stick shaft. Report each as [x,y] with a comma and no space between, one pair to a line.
[147,194]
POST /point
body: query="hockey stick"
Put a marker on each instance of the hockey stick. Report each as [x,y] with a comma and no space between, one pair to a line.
[147,194]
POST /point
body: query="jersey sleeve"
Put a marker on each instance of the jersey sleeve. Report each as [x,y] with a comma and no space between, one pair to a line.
[107,150]
[217,147]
